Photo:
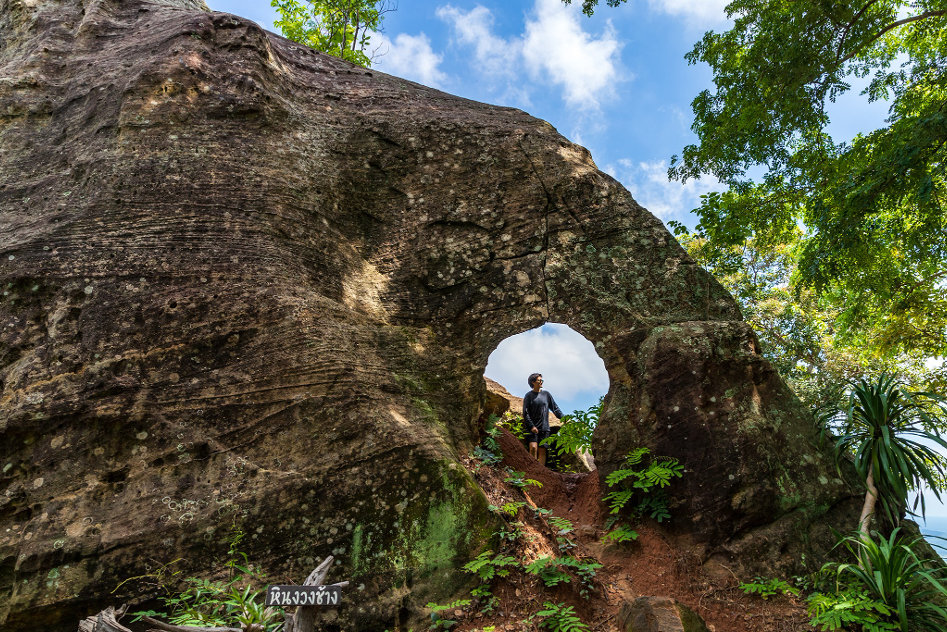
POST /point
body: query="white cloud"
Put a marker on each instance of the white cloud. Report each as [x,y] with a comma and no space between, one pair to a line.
[553,49]
[703,13]
[568,362]
[556,47]
[495,55]
[411,57]
[668,199]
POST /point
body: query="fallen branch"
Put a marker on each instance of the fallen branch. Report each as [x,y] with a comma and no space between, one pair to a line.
[105,621]
[167,627]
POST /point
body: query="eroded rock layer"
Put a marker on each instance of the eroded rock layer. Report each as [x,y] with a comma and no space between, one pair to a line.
[245,283]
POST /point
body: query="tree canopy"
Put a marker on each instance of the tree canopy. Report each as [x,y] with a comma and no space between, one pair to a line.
[874,231]
[342,28]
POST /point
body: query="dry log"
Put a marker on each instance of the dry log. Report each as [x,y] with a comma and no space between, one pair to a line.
[167,627]
[305,618]
[105,621]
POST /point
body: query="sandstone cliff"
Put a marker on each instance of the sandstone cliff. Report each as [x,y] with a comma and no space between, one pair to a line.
[245,282]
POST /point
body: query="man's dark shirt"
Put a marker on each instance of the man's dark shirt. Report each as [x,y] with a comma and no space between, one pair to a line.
[536,407]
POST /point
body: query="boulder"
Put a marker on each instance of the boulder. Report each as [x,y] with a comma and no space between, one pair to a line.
[249,291]
[659,614]
[760,489]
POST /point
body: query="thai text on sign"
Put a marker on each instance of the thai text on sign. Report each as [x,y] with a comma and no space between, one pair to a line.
[303,596]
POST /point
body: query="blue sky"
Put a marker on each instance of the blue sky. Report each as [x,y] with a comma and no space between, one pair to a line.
[616,83]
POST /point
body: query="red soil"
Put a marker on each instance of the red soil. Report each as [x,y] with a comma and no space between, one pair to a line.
[651,566]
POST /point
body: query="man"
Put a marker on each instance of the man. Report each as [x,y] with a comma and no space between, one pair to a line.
[536,406]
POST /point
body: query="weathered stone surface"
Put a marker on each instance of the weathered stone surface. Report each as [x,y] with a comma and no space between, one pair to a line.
[244,282]
[659,614]
[759,488]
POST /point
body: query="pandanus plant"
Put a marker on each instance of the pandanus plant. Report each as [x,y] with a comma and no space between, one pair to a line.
[892,434]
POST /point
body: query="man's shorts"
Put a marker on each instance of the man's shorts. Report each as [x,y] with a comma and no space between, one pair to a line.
[537,437]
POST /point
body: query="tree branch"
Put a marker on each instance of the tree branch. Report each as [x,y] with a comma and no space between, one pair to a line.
[893,25]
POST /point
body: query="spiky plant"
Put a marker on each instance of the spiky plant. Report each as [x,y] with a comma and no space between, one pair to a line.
[890,432]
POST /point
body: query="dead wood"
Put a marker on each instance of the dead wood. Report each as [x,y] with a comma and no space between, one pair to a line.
[167,627]
[305,618]
[105,621]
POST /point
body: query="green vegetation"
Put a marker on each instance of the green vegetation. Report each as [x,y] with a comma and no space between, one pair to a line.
[514,423]
[889,588]
[575,435]
[563,528]
[236,602]
[766,588]
[488,452]
[439,623]
[555,570]
[342,28]
[873,244]
[643,483]
[559,618]
[519,479]
[885,427]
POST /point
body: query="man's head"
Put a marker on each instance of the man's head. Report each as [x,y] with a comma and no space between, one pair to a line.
[534,379]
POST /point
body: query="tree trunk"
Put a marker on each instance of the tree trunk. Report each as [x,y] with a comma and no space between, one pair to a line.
[871,499]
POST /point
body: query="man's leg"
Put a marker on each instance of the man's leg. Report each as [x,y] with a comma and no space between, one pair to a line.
[542,454]
[533,445]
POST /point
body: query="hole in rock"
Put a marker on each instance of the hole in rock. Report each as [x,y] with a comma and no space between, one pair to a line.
[572,372]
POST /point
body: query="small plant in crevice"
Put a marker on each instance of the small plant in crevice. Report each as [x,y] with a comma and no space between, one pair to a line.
[519,479]
[514,423]
[488,452]
[486,566]
[558,617]
[563,529]
[555,570]
[510,508]
[440,622]
[512,531]
[638,489]
[766,588]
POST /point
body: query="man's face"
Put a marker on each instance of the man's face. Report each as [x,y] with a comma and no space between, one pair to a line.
[538,384]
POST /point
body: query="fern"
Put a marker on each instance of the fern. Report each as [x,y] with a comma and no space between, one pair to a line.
[486,568]
[548,570]
[766,588]
[646,483]
[837,611]
[621,534]
[560,618]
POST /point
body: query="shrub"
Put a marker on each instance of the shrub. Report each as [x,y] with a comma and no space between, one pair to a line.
[889,588]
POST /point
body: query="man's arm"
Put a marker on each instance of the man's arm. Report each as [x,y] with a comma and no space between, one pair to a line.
[554,407]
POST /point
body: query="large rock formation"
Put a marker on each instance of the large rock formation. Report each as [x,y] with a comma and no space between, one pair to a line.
[247,283]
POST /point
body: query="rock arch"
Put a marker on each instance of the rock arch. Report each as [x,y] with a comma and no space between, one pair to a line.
[263,284]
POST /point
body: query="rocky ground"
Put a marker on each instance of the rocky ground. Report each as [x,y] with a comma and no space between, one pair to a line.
[651,566]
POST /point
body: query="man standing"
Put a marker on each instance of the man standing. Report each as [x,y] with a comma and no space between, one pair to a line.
[536,406]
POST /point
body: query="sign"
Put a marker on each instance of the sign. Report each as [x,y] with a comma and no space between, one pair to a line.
[303,596]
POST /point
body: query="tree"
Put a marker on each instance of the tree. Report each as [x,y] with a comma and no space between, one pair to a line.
[798,329]
[890,431]
[875,230]
[342,28]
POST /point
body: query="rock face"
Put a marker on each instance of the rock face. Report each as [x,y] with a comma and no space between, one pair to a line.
[659,614]
[245,283]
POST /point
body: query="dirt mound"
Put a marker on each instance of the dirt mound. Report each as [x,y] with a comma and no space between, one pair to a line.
[653,565]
